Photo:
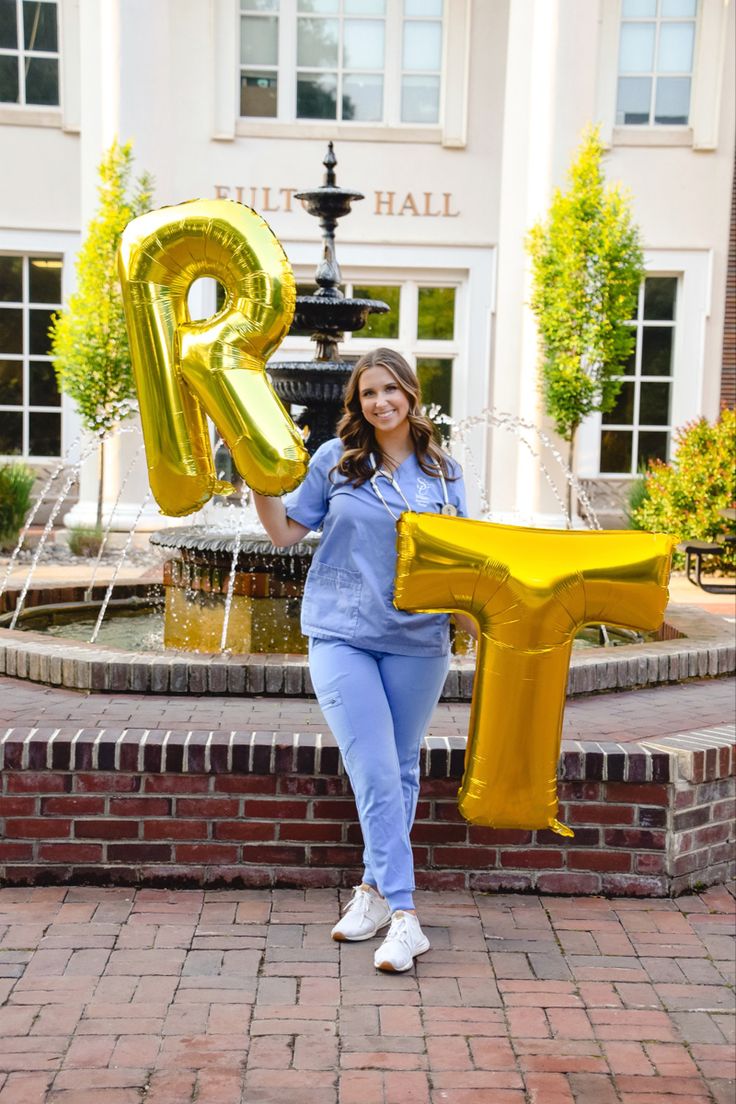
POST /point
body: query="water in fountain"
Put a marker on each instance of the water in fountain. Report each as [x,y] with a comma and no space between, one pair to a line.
[108,527]
[118,565]
[231,580]
[36,505]
[48,527]
[232,525]
[520,428]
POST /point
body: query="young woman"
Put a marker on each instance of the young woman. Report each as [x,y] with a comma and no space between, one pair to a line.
[377,671]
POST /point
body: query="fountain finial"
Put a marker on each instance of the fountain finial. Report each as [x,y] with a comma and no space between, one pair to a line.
[329,163]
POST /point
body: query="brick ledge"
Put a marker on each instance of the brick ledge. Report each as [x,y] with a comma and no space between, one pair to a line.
[696,756]
[206,808]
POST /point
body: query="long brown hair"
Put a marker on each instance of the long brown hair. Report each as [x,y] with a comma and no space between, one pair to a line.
[358,436]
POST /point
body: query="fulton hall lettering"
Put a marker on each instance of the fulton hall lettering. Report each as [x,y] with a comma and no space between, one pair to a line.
[269,199]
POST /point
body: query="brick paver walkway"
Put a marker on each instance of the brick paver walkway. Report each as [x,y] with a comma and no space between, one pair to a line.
[621,716]
[112,996]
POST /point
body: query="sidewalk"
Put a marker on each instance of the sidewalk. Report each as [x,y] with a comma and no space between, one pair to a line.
[116,997]
[621,717]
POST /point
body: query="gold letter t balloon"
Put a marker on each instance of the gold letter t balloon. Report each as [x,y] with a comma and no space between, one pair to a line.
[530,590]
[184,369]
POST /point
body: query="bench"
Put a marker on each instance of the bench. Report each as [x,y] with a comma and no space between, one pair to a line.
[695,551]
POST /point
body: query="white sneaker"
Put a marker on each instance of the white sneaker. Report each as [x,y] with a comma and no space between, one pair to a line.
[405,940]
[365,913]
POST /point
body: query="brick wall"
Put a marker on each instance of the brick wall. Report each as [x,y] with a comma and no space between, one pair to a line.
[250,810]
[703,816]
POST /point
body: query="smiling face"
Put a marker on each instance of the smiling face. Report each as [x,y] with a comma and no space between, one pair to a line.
[383,403]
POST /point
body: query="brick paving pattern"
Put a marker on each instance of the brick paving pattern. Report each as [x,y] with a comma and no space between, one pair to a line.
[621,716]
[117,996]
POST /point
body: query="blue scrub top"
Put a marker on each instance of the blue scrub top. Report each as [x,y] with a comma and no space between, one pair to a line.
[349,589]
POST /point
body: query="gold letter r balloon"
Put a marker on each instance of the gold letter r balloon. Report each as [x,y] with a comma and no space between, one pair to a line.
[184,369]
[530,590]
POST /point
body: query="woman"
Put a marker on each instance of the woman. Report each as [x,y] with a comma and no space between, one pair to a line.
[377,671]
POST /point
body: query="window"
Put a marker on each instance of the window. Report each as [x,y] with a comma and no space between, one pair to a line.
[29,52]
[380,327]
[420,324]
[421,61]
[259,57]
[638,428]
[655,66]
[30,403]
[362,61]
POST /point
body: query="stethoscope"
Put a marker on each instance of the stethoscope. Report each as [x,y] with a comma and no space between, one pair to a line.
[447,507]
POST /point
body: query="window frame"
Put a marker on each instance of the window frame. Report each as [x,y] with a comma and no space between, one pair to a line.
[714,30]
[450,131]
[691,390]
[640,323]
[407,342]
[340,71]
[21,53]
[26,408]
[654,74]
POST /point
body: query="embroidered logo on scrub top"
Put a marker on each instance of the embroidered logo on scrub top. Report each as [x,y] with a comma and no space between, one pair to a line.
[423,490]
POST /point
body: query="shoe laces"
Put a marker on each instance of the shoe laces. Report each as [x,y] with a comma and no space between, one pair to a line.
[399,929]
[360,901]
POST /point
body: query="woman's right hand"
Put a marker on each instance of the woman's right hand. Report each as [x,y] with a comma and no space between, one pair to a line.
[282,530]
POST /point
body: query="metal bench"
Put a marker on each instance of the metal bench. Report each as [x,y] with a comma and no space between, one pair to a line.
[695,551]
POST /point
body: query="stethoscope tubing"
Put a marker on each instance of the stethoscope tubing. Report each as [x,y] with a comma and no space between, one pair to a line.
[389,476]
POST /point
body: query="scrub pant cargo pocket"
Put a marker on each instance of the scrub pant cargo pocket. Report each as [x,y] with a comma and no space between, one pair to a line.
[378,707]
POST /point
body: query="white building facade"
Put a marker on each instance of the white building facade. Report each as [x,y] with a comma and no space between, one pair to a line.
[456,119]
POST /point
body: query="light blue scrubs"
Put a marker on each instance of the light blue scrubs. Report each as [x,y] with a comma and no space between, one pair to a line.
[377,671]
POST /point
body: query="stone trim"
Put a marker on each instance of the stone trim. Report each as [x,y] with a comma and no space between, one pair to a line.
[699,646]
[191,751]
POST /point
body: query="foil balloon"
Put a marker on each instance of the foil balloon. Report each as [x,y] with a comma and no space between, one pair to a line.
[184,369]
[530,591]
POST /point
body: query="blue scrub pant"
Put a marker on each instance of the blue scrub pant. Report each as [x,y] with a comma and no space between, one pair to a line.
[378,707]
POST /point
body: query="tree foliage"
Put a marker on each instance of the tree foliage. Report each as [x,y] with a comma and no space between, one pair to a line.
[587,266]
[685,497]
[89,340]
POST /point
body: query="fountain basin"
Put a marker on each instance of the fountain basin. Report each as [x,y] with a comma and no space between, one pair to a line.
[264,617]
[243,587]
[699,645]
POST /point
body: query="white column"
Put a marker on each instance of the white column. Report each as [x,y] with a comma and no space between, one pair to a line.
[547,102]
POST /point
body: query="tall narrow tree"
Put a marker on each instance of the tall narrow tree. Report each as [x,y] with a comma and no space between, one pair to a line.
[89,339]
[587,266]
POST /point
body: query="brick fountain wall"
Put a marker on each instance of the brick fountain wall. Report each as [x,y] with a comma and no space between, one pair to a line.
[258,809]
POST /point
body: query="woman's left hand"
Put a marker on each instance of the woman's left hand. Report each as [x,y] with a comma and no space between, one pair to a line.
[467,625]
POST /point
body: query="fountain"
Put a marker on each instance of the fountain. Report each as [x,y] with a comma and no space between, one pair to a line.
[228,589]
[317,385]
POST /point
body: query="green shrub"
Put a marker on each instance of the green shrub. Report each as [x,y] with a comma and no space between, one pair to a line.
[16,484]
[84,541]
[636,498]
[685,496]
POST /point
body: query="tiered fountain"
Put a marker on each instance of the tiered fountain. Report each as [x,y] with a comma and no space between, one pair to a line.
[228,587]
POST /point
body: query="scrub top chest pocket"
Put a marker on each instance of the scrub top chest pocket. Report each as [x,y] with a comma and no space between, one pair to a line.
[331,601]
